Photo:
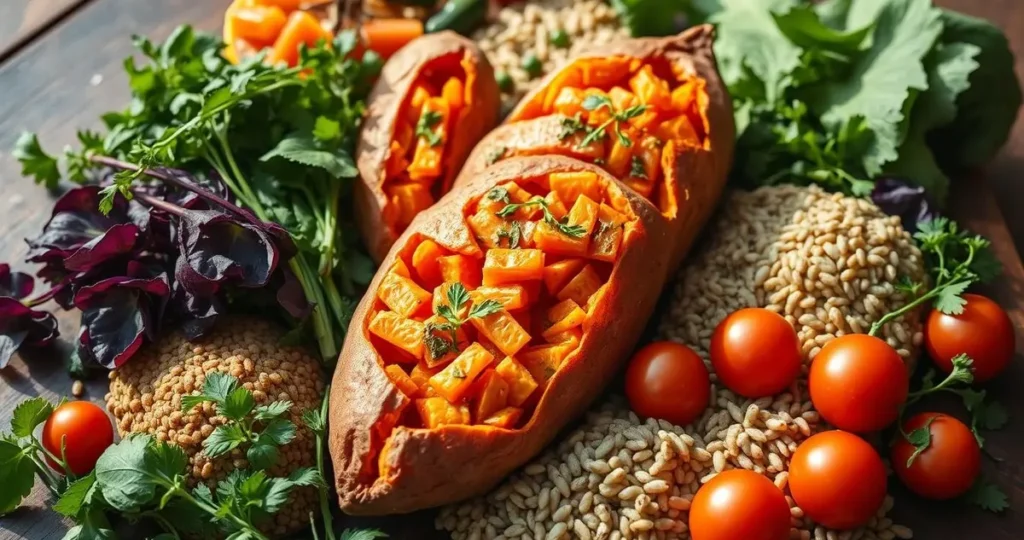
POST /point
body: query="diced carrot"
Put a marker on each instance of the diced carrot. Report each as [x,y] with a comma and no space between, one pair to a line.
[563,316]
[461,268]
[409,200]
[490,395]
[260,25]
[402,294]
[543,361]
[511,265]
[456,378]
[445,351]
[511,297]
[425,261]
[520,382]
[402,380]
[551,240]
[584,214]
[571,338]
[429,154]
[420,375]
[403,333]
[557,275]
[651,89]
[436,412]
[502,329]
[401,268]
[555,205]
[301,28]
[454,93]
[569,186]
[485,226]
[506,418]
[581,287]
[604,245]
[386,36]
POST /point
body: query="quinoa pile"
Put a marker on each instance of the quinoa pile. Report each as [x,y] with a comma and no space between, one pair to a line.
[145,397]
[829,264]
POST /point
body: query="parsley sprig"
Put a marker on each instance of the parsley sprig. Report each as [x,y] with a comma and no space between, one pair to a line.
[596,102]
[425,127]
[456,296]
[23,456]
[510,208]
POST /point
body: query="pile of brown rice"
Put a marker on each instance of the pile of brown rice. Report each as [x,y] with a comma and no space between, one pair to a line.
[829,264]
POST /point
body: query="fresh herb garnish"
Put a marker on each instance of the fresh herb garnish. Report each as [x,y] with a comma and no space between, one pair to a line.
[495,154]
[574,231]
[511,233]
[636,168]
[571,126]
[456,296]
[499,194]
[596,102]
[425,127]
[987,496]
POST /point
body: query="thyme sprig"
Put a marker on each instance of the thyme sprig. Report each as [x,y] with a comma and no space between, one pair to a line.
[510,208]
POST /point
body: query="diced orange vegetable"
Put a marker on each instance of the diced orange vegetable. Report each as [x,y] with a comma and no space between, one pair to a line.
[402,294]
[425,261]
[503,330]
[454,93]
[543,361]
[571,338]
[401,269]
[526,230]
[421,92]
[555,205]
[287,5]
[421,374]
[260,25]
[511,297]
[622,99]
[651,89]
[386,36]
[584,214]
[402,380]
[485,226]
[569,101]
[555,242]
[396,163]
[506,418]
[581,287]
[301,28]
[491,347]
[563,316]
[524,318]
[684,97]
[491,395]
[436,412]
[427,160]
[461,268]
[620,155]
[569,186]
[520,382]
[511,265]
[604,245]
[456,378]
[409,199]
[440,298]
[405,334]
[599,115]
[678,129]
[557,275]
[648,157]
[461,342]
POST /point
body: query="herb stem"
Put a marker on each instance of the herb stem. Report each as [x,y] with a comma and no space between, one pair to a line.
[45,474]
[325,508]
[877,325]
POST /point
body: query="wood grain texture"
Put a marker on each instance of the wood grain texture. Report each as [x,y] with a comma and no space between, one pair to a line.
[21,20]
[48,88]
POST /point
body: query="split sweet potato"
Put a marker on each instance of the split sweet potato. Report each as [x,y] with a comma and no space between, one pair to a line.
[435,98]
[653,112]
[521,336]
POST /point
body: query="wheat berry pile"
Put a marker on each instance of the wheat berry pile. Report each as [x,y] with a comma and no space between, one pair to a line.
[829,264]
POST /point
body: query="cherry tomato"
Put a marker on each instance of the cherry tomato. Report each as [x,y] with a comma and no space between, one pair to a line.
[739,504]
[667,380]
[837,479]
[858,382]
[755,352]
[949,464]
[85,430]
[983,332]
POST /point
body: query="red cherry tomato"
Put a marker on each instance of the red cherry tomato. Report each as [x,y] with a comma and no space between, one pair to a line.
[837,479]
[85,430]
[949,464]
[858,382]
[755,352]
[668,381]
[983,332]
[739,504]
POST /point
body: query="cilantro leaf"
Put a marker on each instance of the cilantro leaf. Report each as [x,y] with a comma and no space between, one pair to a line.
[262,455]
[499,194]
[75,496]
[992,416]
[306,476]
[949,299]
[273,410]
[278,431]
[485,308]
[314,420]
[35,163]
[425,127]
[987,496]
[237,405]
[217,386]
[303,150]
[224,439]
[594,102]
[457,295]
[637,169]
[28,415]
[123,475]
[17,475]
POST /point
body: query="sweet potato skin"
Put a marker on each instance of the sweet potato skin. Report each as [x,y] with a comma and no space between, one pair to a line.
[698,174]
[427,468]
[384,106]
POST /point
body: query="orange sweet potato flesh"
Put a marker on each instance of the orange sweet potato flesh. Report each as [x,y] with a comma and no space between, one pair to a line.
[439,57]
[696,171]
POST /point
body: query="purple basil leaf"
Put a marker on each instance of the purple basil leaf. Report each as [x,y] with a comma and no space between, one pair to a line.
[118,240]
[75,221]
[218,249]
[17,285]
[22,325]
[198,313]
[117,316]
[898,197]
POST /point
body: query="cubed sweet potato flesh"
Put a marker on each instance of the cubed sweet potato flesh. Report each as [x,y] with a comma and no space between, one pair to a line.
[506,418]
[490,395]
[406,334]
[520,383]
[402,294]
[502,329]
[455,380]
[511,265]
[436,412]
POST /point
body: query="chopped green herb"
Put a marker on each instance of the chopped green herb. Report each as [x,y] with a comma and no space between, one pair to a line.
[571,126]
[636,168]
[495,154]
[499,194]
[458,373]
[574,231]
[424,127]
[510,232]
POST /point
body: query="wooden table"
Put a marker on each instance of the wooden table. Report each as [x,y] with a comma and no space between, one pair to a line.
[60,67]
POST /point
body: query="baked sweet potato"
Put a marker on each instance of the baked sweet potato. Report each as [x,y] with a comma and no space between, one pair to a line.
[507,360]
[653,112]
[435,98]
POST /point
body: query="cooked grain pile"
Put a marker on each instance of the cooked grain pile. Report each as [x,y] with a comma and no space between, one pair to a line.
[829,264]
[145,397]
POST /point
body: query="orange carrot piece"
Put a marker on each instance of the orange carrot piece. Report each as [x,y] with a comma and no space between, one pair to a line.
[402,294]
[405,334]
[436,412]
[386,36]
[502,329]
[456,378]
[651,89]
[543,361]
[503,266]
[569,186]
[491,395]
[409,199]
[561,317]
[461,268]
[511,297]
[425,261]
[557,275]
[581,287]
[604,245]
[461,342]
[402,380]
[520,383]
[260,25]
[453,92]
[301,28]
[506,418]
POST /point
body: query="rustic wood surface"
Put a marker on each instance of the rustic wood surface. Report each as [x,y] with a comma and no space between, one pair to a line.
[60,67]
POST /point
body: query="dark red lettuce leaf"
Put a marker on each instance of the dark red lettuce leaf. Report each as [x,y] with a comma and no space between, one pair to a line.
[17,285]
[22,325]
[218,249]
[118,314]
[118,240]
[898,197]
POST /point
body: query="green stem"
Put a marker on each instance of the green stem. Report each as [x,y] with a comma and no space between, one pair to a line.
[877,326]
[325,507]
[163,522]
[331,229]
[313,291]
[239,522]
[334,300]
[43,470]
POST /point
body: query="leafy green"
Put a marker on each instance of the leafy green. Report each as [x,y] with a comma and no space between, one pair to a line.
[987,496]
[35,162]
[650,17]
[17,474]
[307,151]
[28,415]
[361,534]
